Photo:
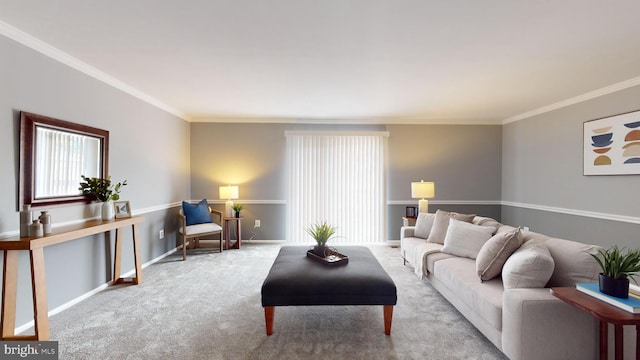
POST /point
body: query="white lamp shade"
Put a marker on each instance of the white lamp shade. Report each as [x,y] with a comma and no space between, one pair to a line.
[421,190]
[228,192]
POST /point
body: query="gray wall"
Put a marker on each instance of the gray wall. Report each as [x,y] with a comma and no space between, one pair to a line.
[148,147]
[542,179]
[463,160]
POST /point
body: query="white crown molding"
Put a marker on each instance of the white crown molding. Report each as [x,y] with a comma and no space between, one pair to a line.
[50,51]
[583,213]
[343,121]
[575,100]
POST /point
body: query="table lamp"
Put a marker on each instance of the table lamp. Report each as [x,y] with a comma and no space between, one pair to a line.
[228,192]
[421,190]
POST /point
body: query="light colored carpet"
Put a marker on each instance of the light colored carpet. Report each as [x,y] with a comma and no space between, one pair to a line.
[209,308]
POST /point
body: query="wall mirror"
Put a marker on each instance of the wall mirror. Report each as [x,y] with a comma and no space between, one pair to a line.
[53,155]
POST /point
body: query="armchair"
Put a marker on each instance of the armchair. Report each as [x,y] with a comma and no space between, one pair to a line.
[192,233]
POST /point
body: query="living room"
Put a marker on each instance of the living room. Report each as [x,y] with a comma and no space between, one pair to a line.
[523,168]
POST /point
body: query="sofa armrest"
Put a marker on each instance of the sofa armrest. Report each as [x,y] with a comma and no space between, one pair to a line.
[406,231]
[537,325]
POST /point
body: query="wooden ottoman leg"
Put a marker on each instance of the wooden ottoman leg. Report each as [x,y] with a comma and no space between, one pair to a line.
[268,318]
[388,316]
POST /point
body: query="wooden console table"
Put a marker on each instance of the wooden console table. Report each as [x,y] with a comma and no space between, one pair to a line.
[35,246]
[605,314]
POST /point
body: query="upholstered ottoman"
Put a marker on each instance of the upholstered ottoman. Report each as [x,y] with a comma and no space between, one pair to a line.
[295,280]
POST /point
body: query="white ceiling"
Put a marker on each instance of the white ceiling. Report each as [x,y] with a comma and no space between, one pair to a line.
[392,61]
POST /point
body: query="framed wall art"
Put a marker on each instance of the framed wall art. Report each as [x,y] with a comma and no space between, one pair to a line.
[611,145]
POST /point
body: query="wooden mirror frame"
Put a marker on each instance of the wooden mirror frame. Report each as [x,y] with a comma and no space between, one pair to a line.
[28,124]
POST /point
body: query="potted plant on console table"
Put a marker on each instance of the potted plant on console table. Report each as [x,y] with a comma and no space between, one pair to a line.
[617,266]
[104,191]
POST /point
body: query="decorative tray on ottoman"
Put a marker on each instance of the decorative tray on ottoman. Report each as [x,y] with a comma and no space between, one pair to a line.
[335,259]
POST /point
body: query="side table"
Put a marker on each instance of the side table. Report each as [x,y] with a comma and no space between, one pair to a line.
[227,232]
[408,221]
[606,314]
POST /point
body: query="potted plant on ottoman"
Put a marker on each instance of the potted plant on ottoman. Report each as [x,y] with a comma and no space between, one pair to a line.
[617,266]
[321,233]
[103,191]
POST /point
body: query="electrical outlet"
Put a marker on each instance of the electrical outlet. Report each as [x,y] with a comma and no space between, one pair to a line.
[161,234]
[526,228]
[257,224]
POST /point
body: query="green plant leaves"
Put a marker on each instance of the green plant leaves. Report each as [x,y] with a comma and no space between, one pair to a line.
[617,263]
[322,232]
[101,189]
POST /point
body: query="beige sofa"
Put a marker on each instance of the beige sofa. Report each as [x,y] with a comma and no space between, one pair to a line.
[522,319]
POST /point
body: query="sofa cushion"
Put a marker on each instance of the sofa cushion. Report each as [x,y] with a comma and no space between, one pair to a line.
[495,252]
[465,239]
[424,223]
[424,251]
[458,274]
[530,266]
[573,264]
[486,221]
[434,257]
[441,223]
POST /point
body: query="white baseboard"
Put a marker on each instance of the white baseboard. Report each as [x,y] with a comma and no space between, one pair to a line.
[87,295]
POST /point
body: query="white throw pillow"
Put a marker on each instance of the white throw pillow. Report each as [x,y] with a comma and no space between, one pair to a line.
[531,266]
[424,222]
[495,252]
[441,223]
[465,239]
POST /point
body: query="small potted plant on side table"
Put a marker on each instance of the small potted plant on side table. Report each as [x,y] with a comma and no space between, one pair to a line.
[237,208]
[321,233]
[617,266]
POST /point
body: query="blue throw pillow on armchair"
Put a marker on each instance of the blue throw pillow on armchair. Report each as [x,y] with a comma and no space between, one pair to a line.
[196,214]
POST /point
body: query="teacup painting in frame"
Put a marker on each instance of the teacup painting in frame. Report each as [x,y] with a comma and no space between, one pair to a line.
[611,145]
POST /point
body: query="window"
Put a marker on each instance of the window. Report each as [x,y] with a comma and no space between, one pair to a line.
[338,178]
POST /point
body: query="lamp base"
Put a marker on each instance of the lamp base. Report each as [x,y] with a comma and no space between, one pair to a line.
[423,206]
[228,208]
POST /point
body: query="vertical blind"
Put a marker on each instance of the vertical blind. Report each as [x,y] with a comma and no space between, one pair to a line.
[338,178]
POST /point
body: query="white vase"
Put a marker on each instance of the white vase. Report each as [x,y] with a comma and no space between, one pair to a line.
[108,212]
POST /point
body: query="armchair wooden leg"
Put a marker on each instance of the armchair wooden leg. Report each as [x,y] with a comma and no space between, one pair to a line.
[184,248]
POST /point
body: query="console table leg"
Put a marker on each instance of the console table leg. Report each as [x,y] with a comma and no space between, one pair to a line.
[9,287]
[38,285]
[268,318]
[136,255]
[117,258]
[388,316]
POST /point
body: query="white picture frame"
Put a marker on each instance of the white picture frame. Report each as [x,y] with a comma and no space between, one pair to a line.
[611,145]
[122,209]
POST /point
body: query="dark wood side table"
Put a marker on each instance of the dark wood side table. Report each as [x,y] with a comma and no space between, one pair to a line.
[409,221]
[606,314]
[227,232]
